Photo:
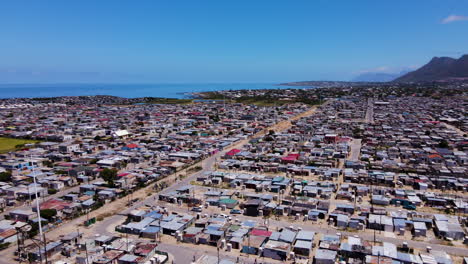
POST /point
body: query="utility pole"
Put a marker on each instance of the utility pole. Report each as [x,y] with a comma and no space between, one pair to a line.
[372,206]
[78,237]
[355,197]
[86,252]
[18,238]
[41,234]
[126,236]
[159,231]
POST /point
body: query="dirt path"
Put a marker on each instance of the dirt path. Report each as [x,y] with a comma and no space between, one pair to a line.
[285,124]
[459,131]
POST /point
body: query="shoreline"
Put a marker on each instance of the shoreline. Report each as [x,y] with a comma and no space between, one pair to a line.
[129,91]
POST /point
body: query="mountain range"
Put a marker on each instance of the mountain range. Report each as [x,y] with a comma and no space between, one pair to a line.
[438,69]
[378,76]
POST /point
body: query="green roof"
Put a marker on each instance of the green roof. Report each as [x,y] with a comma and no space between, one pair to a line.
[227,201]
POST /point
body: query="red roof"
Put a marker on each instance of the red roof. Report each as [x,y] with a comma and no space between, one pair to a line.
[145,249]
[65,164]
[8,233]
[291,157]
[55,204]
[132,145]
[260,232]
[233,152]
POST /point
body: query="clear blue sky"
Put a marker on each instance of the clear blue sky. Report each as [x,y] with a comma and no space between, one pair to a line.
[223,41]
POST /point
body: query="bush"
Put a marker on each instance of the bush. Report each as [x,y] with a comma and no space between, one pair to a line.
[4,245]
[443,144]
[5,176]
[109,175]
[48,214]
[52,191]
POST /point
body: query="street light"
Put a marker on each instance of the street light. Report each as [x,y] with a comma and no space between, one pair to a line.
[42,236]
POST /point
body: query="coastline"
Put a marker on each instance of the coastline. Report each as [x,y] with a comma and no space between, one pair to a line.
[157,90]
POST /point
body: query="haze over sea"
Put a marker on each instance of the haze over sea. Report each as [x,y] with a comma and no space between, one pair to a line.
[173,90]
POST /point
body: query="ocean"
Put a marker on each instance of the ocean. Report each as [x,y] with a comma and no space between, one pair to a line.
[127,90]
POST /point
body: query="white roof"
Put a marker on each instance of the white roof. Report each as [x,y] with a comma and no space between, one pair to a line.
[121,133]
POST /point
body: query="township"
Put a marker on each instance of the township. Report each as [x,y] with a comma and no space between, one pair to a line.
[356,179]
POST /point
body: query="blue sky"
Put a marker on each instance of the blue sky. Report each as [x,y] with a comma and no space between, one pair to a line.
[223,41]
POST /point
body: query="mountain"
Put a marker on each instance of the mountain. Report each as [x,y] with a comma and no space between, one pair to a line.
[438,69]
[378,76]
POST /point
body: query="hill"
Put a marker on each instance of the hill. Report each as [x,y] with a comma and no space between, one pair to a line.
[378,76]
[438,69]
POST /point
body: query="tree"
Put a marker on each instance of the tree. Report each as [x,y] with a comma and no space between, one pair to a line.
[109,175]
[48,163]
[48,214]
[443,144]
[5,176]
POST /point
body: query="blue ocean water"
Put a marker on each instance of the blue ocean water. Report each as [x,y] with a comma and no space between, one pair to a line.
[126,90]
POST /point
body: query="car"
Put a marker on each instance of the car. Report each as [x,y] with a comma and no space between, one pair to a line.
[236,211]
[197,209]
[409,207]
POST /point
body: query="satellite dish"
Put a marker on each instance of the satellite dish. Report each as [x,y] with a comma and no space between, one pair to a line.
[27,228]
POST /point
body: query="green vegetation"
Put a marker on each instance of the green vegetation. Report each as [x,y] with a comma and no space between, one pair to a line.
[443,144]
[48,163]
[270,98]
[51,191]
[35,228]
[157,100]
[48,214]
[5,176]
[109,175]
[262,101]
[4,245]
[11,144]
[194,169]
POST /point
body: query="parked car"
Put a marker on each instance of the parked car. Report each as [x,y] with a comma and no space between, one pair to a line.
[236,211]
[197,209]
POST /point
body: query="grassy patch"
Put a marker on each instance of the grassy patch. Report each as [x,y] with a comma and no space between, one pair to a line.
[272,101]
[268,99]
[10,144]
[156,100]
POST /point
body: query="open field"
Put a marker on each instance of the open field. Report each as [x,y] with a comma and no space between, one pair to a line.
[169,101]
[9,144]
